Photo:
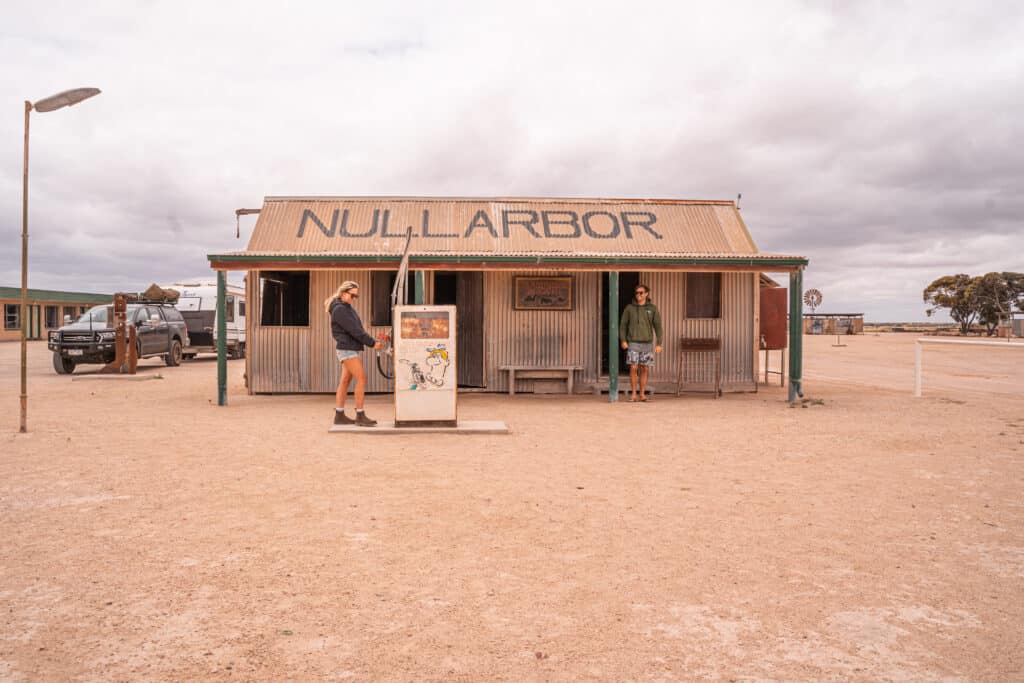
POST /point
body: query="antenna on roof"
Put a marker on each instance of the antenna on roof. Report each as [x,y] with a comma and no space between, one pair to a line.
[738,198]
[242,212]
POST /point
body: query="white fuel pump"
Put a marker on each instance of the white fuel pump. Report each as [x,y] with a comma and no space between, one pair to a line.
[426,382]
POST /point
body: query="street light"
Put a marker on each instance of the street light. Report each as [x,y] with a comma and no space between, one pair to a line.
[64,99]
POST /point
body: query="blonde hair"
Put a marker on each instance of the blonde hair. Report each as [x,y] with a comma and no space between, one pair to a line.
[346,286]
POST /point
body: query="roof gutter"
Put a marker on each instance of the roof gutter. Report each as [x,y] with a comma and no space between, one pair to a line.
[750,262]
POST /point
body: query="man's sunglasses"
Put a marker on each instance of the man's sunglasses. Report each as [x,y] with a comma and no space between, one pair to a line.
[639,292]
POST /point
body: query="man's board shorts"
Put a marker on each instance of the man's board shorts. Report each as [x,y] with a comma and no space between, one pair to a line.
[345,354]
[639,353]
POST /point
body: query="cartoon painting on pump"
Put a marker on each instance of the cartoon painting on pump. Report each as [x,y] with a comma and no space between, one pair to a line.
[436,362]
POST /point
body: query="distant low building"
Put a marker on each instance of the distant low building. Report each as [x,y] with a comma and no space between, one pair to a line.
[46,310]
[833,323]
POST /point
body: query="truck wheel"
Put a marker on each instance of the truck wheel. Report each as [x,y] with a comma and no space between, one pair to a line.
[173,358]
[63,366]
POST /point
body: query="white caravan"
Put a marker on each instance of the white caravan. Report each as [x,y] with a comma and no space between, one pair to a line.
[198,306]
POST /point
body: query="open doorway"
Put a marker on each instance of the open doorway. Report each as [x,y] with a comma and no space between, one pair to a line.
[465,291]
[627,284]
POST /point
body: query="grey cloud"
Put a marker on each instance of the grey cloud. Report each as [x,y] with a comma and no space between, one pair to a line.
[877,139]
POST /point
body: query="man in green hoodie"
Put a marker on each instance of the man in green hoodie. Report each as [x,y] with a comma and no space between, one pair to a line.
[640,335]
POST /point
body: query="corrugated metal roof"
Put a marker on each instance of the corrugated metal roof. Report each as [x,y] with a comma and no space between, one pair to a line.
[368,226]
[54,295]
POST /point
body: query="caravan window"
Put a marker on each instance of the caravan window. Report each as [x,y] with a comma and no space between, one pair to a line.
[229,314]
[188,303]
[284,298]
[241,309]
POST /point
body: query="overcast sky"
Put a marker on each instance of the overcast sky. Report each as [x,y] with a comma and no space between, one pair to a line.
[881,140]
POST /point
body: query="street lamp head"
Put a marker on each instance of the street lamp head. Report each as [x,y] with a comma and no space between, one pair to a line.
[65,99]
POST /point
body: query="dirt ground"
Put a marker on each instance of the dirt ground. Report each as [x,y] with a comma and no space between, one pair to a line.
[149,535]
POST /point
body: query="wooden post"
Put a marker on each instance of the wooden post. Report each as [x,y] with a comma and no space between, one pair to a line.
[613,337]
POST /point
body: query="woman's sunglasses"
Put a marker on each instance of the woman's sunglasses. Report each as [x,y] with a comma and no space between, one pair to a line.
[354,296]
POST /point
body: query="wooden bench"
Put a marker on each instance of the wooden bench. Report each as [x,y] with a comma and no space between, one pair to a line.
[565,372]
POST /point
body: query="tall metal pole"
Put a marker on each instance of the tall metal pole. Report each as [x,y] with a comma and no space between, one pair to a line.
[796,334]
[613,337]
[24,281]
[222,340]
[418,288]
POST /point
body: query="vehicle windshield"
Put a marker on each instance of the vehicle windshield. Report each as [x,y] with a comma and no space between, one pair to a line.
[98,314]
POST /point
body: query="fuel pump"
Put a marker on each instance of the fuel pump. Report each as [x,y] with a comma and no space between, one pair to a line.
[426,381]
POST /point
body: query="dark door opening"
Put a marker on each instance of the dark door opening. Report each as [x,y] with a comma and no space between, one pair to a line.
[627,283]
[465,291]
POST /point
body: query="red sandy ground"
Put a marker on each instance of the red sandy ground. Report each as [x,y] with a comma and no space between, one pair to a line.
[149,535]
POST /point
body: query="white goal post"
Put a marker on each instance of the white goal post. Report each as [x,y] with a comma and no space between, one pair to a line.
[962,342]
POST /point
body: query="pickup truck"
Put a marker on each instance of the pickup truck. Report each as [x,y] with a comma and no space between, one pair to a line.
[160,331]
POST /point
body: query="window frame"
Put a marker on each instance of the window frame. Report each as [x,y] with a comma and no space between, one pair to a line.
[299,313]
[12,316]
[703,309]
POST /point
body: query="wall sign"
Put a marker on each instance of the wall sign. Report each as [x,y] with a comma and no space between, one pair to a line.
[543,293]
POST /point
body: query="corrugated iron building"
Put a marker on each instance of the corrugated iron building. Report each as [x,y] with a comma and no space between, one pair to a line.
[469,252]
[46,310]
[833,323]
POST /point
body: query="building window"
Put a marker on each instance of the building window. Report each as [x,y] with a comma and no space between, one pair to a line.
[51,317]
[70,312]
[229,306]
[82,310]
[381,284]
[12,321]
[285,298]
[703,295]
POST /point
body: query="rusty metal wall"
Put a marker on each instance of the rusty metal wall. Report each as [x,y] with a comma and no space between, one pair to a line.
[774,321]
[278,356]
[538,337]
[302,359]
[735,328]
[326,370]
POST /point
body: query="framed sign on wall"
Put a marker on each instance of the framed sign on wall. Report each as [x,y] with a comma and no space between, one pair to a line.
[543,293]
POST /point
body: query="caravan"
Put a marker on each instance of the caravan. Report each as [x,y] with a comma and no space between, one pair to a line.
[198,305]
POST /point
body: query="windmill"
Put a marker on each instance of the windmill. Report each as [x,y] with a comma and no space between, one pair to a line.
[812,298]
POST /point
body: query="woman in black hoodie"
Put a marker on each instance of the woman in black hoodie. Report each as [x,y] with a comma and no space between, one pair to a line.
[350,337]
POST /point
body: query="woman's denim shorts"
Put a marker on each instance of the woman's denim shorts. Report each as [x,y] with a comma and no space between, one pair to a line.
[345,354]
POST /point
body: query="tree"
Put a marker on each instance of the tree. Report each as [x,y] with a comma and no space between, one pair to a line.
[953,292]
[994,296]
